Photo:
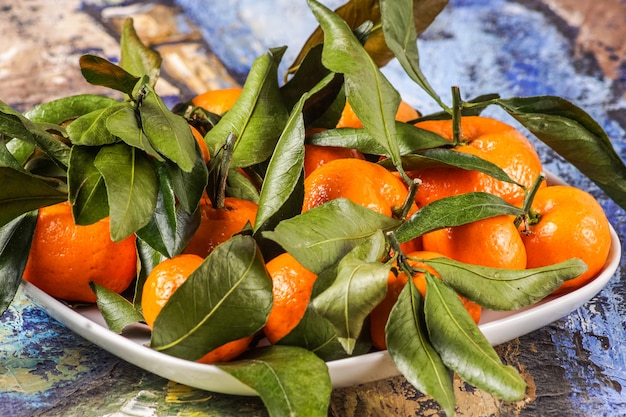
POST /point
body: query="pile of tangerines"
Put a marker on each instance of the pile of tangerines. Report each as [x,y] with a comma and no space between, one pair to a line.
[65,258]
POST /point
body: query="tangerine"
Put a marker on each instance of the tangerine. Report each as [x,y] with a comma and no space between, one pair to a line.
[317,155]
[489,139]
[292,288]
[493,242]
[395,283]
[218,224]
[162,282]
[360,181]
[217,101]
[348,118]
[204,149]
[567,222]
[65,257]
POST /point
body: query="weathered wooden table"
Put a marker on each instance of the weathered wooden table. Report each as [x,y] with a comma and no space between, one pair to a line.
[575,366]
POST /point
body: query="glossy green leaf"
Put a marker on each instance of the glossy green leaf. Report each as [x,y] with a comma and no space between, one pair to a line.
[14,153]
[361,285]
[462,346]
[574,135]
[231,295]
[87,191]
[15,241]
[284,170]
[137,58]
[90,129]
[14,124]
[117,311]
[132,188]
[454,211]
[410,139]
[22,192]
[258,116]
[99,71]
[410,349]
[168,132]
[504,289]
[122,123]
[398,23]
[68,108]
[277,374]
[171,227]
[372,97]
[320,237]
[240,186]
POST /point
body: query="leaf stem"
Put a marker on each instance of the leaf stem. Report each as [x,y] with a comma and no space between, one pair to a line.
[530,216]
[227,157]
[457,105]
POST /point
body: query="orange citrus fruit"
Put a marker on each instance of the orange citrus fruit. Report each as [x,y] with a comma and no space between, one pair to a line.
[162,282]
[292,288]
[348,118]
[217,101]
[489,139]
[494,242]
[204,149]
[569,223]
[395,284]
[360,181]
[217,225]
[64,257]
[316,155]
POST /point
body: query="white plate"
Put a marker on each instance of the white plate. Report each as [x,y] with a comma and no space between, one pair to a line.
[498,327]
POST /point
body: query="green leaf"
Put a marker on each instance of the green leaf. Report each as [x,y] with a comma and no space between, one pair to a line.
[22,192]
[285,168]
[447,157]
[137,58]
[90,129]
[228,297]
[123,123]
[357,12]
[14,153]
[361,285]
[117,311]
[454,211]
[279,374]
[258,116]
[188,186]
[87,191]
[372,97]
[14,124]
[462,346]
[504,289]
[398,23]
[171,227]
[99,71]
[15,241]
[410,139]
[132,188]
[411,351]
[320,237]
[68,108]
[574,135]
[168,132]
[148,258]
[240,186]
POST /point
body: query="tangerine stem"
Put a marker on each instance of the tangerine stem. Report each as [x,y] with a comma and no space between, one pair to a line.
[227,158]
[529,216]
[457,105]
[410,198]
